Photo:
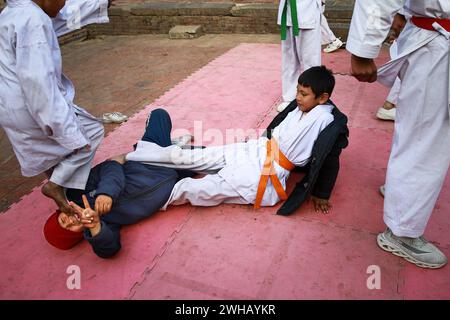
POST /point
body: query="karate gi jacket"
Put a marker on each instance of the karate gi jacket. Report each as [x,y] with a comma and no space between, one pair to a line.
[36,99]
[308,12]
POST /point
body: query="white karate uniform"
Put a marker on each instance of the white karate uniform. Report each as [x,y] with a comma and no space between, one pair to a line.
[38,115]
[235,169]
[301,52]
[395,90]
[327,34]
[420,153]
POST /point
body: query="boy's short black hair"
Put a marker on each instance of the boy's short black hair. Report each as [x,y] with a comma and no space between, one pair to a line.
[319,79]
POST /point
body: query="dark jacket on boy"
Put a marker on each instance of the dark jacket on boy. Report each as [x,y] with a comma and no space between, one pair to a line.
[138,190]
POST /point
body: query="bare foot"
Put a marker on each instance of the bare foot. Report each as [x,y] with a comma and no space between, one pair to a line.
[56,192]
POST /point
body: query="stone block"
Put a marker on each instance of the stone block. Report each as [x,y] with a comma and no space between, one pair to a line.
[119,11]
[185,32]
[260,10]
[182,9]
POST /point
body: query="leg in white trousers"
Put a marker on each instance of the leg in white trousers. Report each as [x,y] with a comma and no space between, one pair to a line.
[327,34]
[395,91]
[299,53]
[420,153]
[73,171]
[210,190]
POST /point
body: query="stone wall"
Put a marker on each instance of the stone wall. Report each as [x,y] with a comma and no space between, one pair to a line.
[215,17]
[130,17]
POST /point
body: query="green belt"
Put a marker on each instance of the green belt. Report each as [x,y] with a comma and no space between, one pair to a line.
[293,4]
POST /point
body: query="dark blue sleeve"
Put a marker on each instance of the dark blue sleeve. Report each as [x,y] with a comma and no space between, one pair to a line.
[107,242]
[111,179]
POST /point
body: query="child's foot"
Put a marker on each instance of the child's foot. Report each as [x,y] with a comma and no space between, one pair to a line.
[114,117]
[183,140]
[386,114]
[333,46]
[56,192]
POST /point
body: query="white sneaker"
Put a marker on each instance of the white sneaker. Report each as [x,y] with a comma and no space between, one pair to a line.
[384,114]
[415,250]
[183,140]
[282,106]
[382,189]
[114,117]
[336,44]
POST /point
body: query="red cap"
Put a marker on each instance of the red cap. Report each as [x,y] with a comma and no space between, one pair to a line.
[59,237]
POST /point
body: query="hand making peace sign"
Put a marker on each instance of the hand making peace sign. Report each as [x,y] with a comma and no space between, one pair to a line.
[88,217]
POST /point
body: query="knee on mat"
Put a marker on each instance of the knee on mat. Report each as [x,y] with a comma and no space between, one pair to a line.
[160,113]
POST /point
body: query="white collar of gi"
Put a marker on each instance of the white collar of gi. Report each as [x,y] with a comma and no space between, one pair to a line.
[17,3]
[322,107]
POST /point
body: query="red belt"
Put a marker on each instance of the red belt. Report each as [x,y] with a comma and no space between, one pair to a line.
[427,23]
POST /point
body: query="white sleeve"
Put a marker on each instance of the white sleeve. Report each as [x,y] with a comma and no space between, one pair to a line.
[79,13]
[370,26]
[37,73]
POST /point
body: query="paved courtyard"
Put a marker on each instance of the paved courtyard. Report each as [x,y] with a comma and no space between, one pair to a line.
[228,251]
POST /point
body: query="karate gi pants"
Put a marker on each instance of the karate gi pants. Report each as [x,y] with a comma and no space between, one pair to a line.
[210,190]
[73,171]
[420,153]
[327,34]
[394,92]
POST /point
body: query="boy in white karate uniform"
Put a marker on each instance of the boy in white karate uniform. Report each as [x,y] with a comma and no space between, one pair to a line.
[300,42]
[48,132]
[239,173]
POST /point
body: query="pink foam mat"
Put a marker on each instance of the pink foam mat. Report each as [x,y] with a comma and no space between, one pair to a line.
[233,251]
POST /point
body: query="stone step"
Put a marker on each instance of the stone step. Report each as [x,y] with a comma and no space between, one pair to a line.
[185,32]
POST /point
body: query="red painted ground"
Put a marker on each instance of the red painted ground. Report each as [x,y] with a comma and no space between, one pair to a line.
[231,251]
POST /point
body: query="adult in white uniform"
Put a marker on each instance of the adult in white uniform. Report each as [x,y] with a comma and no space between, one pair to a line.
[420,153]
[48,132]
[299,52]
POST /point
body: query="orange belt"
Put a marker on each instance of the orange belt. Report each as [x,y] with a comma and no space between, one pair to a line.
[273,154]
[427,23]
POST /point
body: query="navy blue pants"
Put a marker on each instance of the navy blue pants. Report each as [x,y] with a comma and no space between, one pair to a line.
[158,128]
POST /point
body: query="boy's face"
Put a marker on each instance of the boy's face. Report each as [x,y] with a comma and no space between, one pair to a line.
[307,100]
[51,7]
[70,223]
